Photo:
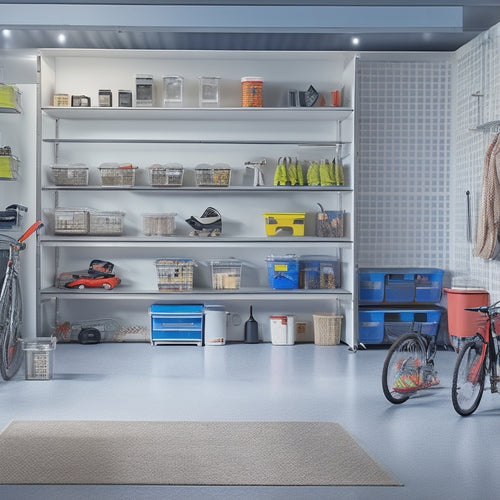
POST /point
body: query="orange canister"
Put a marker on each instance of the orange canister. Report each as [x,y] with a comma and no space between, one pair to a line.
[251,92]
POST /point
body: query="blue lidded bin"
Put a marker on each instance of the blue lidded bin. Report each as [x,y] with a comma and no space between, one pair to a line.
[283,272]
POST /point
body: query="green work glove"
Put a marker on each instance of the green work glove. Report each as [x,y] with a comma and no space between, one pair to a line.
[313,174]
[326,173]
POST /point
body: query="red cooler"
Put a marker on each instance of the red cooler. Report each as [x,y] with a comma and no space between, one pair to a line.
[462,323]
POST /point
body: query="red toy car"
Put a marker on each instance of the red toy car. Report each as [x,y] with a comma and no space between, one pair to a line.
[107,282]
[99,275]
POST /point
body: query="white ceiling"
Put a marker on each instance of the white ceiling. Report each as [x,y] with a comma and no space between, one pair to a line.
[412,25]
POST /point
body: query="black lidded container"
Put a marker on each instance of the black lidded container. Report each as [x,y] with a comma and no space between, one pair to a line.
[251,329]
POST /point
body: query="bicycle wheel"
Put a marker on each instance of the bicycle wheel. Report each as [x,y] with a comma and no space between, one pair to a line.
[402,371]
[468,378]
[10,329]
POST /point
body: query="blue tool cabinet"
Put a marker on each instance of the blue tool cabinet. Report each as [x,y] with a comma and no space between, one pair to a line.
[176,324]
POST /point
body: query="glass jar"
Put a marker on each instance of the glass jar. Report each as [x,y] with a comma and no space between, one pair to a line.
[209,96]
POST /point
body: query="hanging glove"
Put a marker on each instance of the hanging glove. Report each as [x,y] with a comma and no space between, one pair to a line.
[300,174]
[291,170]
[280,174]
[326,173]
[339,174]
[313,174]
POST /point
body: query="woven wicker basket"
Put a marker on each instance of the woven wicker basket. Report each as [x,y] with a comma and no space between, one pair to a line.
[327,327]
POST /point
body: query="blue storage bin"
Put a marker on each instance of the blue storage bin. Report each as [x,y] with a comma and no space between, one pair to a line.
[371,327]
[400,285]
[176,324]
[283,272]
[384,326]
[371,287]
[429,286]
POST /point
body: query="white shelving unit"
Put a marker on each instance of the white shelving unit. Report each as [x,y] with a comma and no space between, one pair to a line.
[192,136]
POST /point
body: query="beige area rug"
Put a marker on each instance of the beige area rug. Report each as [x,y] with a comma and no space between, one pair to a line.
[185,453]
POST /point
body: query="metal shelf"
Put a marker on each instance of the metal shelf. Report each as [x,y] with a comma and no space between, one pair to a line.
[179,241]
[277,114]
[122,292]
[190,189]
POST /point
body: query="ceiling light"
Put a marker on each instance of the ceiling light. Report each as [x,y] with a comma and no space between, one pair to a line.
[355,40]
[61,38]
[6,33]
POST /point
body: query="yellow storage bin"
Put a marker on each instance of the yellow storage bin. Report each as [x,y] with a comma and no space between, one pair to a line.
[285,223]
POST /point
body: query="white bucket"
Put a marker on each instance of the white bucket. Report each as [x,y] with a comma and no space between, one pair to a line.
[282,330]
[215,326]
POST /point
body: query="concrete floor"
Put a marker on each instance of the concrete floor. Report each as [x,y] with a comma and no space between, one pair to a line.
[423,443]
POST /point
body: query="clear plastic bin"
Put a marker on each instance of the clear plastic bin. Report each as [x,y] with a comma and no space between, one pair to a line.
[209,91]
[175,274]
[9,168]
[226,274]
[218,175]
[106,223]
[158,224]
[39,357]
[71,221]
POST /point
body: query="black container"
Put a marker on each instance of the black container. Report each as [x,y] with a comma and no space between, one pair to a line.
[251,329]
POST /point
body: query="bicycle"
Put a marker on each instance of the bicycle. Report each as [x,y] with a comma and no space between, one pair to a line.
[476,359]
[11,311]
[409,365]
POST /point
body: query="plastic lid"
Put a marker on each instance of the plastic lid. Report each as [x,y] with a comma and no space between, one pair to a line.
[252,79]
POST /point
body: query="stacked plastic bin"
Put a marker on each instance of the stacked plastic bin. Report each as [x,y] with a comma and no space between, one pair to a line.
[393,300]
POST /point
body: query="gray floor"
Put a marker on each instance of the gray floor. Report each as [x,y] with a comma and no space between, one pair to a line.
[429,448]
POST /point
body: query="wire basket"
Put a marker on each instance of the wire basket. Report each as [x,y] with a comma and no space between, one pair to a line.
[226,274]
[175,275]
[70,175]
[113,174]
[327,328]
[166,175]
[9,168]
[213,176]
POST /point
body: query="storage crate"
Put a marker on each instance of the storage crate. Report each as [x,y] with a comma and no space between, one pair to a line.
[175,274]
[384,326]
[285,223]
[158,224]
[70,175]
[319,273]
[106,223]
[371,287]
[226,274]
[327,328]
[9,168]
[39,357]
[114,174]
[400,285]
[283,272]
[213,176]
[330,224]
[10,99]
[166,175]
[71,221]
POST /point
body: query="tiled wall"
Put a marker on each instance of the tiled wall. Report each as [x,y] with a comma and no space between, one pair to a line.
[404,121]
[477,71]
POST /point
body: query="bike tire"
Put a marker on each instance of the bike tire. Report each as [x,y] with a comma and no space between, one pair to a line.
[11,330]
[468,378]
[407,353]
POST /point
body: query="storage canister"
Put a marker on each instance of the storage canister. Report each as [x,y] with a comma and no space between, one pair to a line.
[282,330]
[251,92]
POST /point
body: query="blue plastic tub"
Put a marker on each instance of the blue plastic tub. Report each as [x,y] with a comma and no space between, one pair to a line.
[283,272]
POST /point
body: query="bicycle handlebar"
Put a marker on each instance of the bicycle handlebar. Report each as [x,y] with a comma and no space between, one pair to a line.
[33,228]
[491,310]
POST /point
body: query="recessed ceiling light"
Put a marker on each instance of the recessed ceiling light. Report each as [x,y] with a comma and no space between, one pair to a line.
[61,38]
[6,33]
[355,40]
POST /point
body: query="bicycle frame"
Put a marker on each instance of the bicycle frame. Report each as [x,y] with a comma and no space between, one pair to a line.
[488,345]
